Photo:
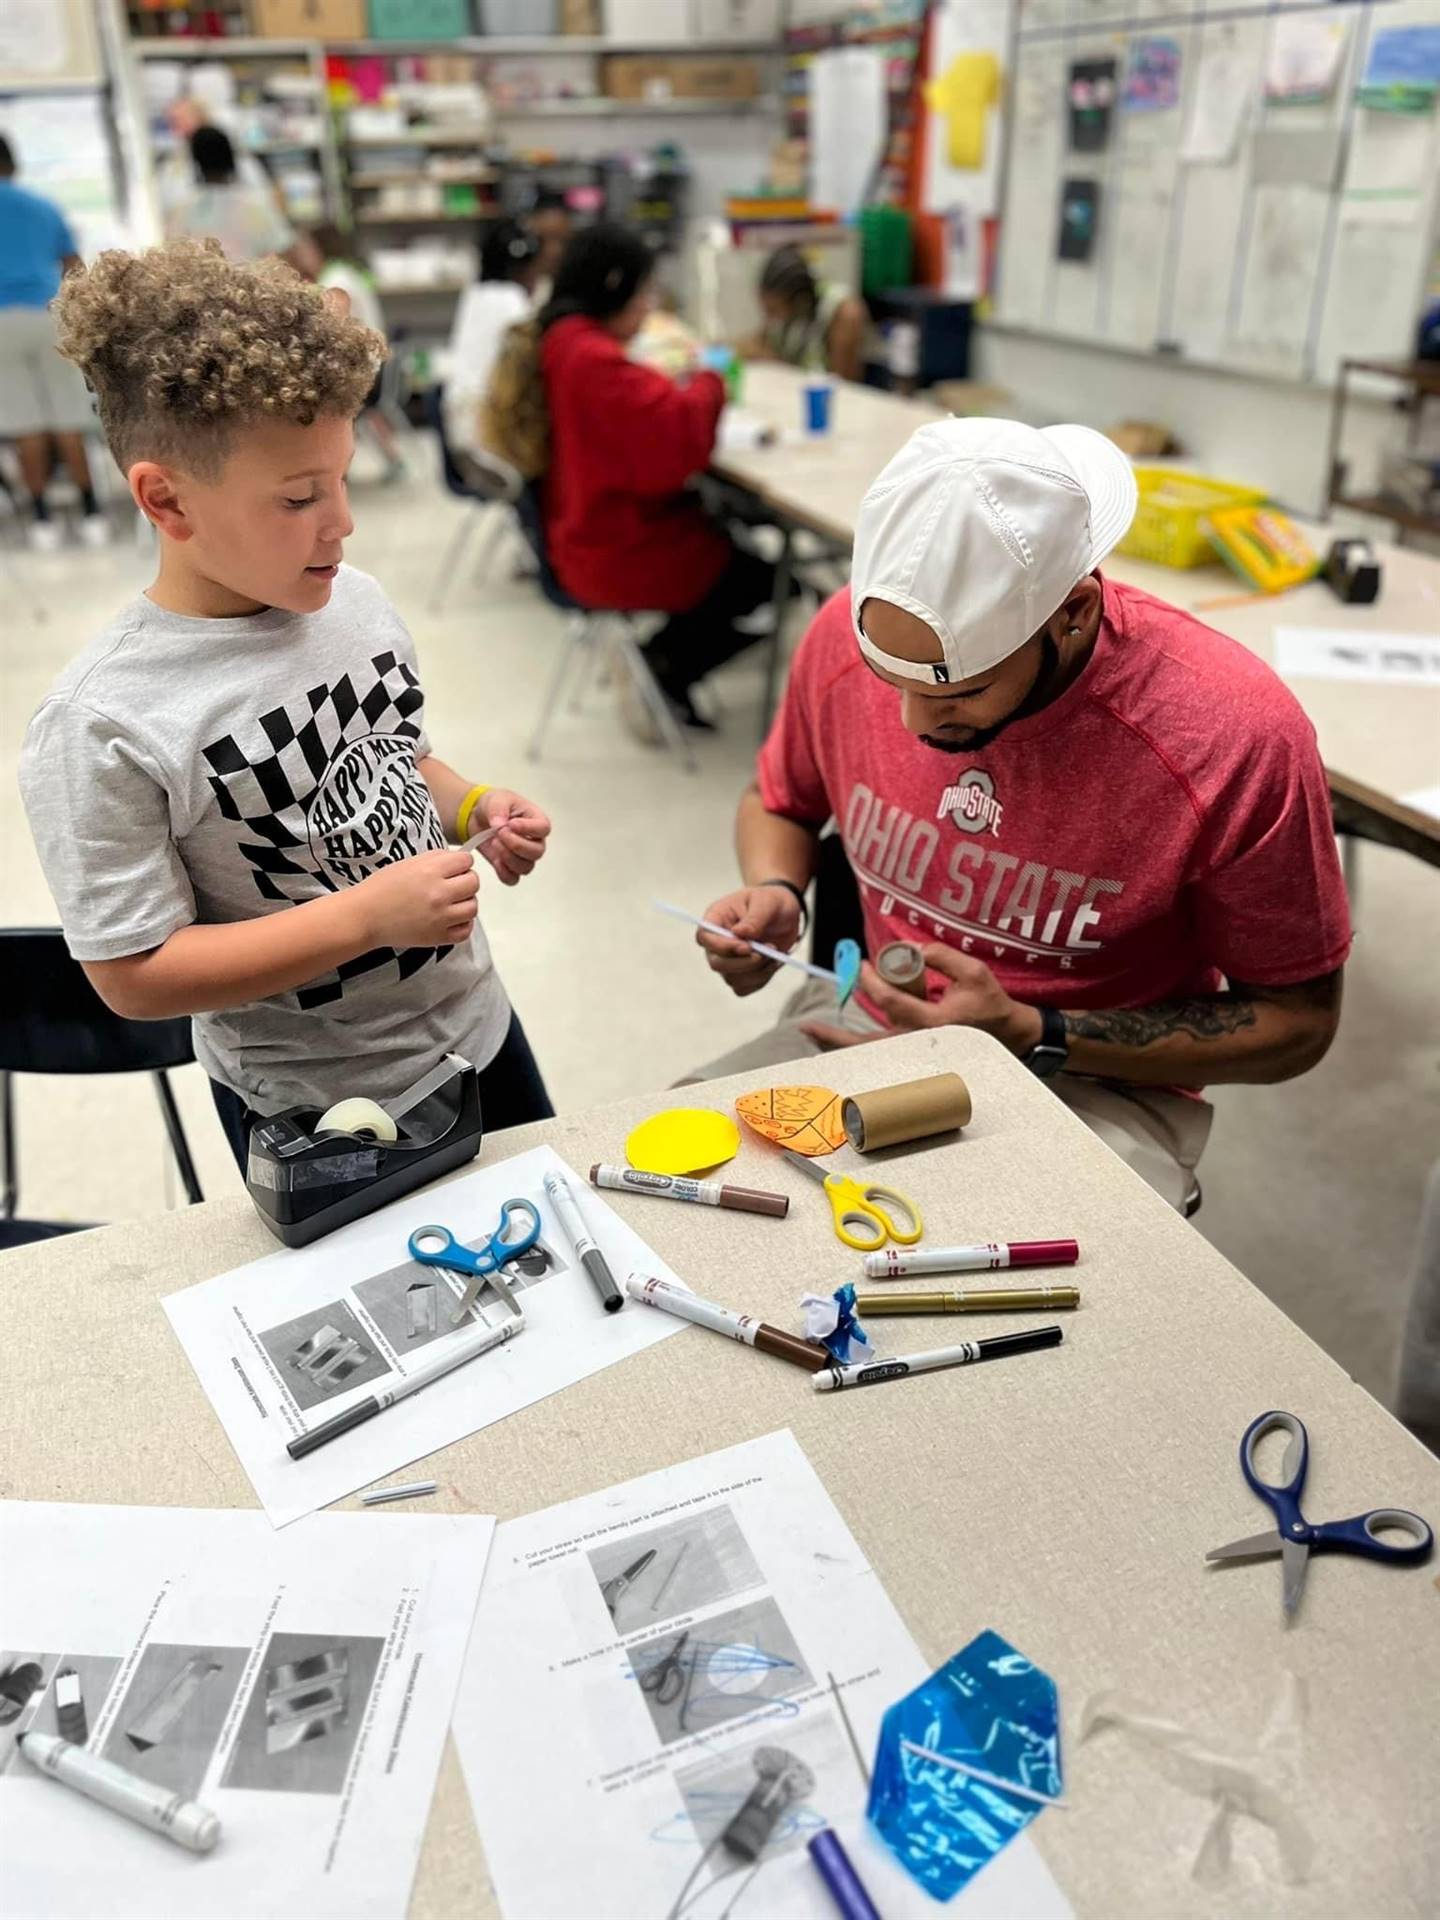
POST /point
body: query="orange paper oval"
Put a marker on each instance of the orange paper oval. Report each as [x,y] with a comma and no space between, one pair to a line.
[805,1119]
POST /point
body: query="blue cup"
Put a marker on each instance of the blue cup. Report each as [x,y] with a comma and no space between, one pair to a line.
[817,399]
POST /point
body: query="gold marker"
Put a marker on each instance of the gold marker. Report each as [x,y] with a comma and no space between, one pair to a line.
[969,1300]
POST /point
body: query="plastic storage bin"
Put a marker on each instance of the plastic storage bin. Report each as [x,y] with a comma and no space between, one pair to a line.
[1169,523]
[419,19]
[519,19]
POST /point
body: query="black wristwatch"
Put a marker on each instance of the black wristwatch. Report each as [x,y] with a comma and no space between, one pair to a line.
[1052,1050]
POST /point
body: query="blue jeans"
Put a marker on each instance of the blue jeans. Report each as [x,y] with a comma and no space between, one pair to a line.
[512,1093]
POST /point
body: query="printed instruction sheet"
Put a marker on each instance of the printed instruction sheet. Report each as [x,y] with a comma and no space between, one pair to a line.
[671,1646]
[1344,653]
[297,1685]
[283,1344]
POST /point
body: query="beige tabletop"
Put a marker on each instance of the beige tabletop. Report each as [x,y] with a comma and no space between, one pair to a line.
[1064,1498]
[1379,742]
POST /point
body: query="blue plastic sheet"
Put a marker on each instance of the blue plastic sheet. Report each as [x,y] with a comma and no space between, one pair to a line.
[990,1711]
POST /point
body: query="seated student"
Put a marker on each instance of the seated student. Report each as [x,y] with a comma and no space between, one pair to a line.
[232,789]
[808,323]
[1106,825]
[551,223]
[616,444]
[483,316]
[243,216]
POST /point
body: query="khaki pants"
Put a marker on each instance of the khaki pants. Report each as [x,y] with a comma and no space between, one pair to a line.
[1161,1135]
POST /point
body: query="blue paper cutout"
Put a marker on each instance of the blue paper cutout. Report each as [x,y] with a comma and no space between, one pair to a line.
[847,968]
[849,1334]
[989,1708]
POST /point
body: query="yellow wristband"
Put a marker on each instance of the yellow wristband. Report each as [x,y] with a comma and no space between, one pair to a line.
[467,807]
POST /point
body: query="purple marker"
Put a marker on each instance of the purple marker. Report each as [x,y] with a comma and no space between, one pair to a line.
[842,1882]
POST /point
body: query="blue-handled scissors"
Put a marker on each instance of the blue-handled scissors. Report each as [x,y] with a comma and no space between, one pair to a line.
[1293,1538]
[438,1247]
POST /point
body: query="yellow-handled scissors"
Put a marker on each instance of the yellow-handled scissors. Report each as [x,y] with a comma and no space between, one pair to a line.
[865,1217]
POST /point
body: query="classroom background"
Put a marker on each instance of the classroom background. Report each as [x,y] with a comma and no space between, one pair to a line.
[1208,230]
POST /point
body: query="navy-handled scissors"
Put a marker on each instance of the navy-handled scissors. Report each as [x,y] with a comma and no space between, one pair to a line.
[1293,1538]
[438,1247]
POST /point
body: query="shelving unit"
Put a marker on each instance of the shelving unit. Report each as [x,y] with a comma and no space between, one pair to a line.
[368,219]
[358,169]
[236,46]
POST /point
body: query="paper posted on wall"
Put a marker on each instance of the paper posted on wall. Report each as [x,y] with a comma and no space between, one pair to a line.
[298,1686]
[292,1340]
[697,1664]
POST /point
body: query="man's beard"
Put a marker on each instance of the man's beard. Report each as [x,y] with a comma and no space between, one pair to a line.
[979,738]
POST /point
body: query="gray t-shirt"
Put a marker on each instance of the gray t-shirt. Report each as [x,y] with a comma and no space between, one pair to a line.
[184,770]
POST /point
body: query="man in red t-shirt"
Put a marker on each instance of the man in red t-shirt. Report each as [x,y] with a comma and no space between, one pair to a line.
[1106,825]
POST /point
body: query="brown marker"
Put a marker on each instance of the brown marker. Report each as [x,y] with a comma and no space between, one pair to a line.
[707,1193]
[735,1326]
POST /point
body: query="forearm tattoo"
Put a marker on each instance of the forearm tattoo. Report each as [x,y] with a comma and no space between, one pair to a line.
[1210,1018]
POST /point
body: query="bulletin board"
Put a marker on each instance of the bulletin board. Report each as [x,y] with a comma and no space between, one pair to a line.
[48,43]
[1219,184]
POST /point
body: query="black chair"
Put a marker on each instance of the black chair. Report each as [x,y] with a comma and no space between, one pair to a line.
[484,479]
[53,1021]
[838,914]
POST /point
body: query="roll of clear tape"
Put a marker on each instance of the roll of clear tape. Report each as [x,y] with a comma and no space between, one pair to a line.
[358,1115]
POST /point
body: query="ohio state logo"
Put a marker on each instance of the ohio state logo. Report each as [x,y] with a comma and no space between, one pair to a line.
[971,802]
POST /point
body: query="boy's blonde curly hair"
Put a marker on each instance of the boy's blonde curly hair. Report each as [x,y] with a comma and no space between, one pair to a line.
[183,346]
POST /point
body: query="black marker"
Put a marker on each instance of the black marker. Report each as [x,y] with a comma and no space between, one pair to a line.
[870,1373]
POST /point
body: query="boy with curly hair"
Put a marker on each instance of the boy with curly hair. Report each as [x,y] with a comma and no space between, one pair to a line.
[231,788]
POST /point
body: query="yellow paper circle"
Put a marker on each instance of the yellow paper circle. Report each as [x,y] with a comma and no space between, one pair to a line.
[682,1140]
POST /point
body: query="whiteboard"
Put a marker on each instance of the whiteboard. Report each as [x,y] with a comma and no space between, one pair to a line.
[1234,229]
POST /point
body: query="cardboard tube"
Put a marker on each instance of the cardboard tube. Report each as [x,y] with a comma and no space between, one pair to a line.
[912,1111]
[900,964]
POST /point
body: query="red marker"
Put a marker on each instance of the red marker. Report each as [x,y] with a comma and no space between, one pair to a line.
[896,1262]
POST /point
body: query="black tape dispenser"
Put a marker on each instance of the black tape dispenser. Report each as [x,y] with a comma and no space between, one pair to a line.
[306,1179]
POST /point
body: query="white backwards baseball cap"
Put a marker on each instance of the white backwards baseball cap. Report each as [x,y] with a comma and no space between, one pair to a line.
[981,528]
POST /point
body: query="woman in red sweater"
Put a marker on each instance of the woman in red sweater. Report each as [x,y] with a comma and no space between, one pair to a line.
[621,528]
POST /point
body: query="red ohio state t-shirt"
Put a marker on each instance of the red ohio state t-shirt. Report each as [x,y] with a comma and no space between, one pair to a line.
[1164,823]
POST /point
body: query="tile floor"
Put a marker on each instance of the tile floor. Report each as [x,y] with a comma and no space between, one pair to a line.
[1312,1188]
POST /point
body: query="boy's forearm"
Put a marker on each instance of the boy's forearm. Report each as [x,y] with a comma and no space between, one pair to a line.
[205,969]
[447,789]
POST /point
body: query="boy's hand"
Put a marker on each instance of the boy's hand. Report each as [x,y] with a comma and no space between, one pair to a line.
[426,901]
[771,914]
[514,851]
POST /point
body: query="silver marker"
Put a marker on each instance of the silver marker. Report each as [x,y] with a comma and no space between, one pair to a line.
[163,1812]
[411,1491]
[572,1221]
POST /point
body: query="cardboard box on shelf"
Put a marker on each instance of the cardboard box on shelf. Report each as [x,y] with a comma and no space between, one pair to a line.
[680,77]
[650,23]
[580,17]
[310,19]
